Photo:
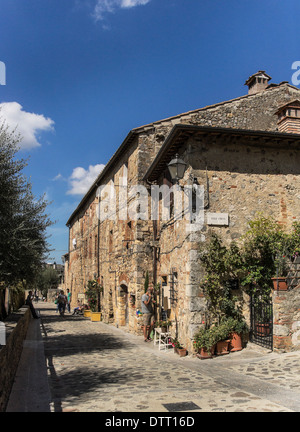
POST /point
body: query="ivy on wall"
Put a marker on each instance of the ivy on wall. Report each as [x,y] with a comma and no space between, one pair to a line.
[263,252]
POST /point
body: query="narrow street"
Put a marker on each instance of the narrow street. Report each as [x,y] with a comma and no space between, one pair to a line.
[71,364]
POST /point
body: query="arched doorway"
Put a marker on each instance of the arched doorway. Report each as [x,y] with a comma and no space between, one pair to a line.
[123,305]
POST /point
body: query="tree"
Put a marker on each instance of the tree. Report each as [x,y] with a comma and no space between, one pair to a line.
[23,222]
[47,279]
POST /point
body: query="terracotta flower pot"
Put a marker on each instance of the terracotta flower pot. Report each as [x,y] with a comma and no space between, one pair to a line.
[235,343]
[181,352]
[222,347]
[204,354]
[280,284]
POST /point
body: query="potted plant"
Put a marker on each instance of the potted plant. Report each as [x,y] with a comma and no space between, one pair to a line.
[280,279]
[163,325]
[237,328]
[222,337]
[181,351]
[175,345]
[178,348]
[87,313]
[205,342]
[93,299]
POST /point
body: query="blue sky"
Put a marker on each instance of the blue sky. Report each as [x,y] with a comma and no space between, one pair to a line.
[80,74]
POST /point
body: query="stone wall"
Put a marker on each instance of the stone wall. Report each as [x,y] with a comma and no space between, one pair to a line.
[243,181]
[286,320]
[16,329]
[115,250]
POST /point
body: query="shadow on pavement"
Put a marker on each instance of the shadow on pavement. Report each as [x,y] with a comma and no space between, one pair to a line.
[81,381]
[84,376]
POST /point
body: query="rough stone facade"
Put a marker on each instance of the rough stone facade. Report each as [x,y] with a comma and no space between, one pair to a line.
[243,180]
[242,174]
[286,323]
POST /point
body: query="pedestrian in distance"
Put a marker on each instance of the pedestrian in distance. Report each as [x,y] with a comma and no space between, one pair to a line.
[148,313]
[69,297]
[56,301]
[62,301]
[28,302]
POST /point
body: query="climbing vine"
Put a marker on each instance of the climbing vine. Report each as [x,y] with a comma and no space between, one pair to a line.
[93,295]
[263,252]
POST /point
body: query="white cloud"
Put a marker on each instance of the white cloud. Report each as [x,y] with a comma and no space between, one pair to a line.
[81,179]
[27,124]
[132,3]
[108,6]
[58,177]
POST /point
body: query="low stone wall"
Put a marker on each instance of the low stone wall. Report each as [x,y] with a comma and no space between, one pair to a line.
[286,321]
[16,326]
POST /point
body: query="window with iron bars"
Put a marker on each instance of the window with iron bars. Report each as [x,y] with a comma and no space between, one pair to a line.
[173,287]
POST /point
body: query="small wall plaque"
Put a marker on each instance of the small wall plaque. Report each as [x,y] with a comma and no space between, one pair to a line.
[217,219]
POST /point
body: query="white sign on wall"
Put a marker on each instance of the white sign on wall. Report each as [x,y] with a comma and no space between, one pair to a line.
[217,219]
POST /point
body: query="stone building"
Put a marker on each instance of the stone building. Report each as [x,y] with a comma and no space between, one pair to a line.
[244,157]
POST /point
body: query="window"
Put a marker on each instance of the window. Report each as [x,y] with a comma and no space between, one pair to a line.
[110,240]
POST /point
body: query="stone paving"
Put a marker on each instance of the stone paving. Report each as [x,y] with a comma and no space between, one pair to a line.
[95,367]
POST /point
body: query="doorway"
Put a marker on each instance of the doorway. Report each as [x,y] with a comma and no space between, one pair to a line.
[124,303]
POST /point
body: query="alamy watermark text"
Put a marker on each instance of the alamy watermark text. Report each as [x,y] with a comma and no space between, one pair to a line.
[2,73]
[296,75]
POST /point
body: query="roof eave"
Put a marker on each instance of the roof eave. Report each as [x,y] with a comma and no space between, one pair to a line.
[179,128]
[105,170]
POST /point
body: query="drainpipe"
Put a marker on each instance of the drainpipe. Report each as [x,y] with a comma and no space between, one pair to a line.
[155,263]
[98,243]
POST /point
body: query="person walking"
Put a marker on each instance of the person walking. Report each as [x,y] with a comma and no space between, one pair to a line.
[148,313]
[56,301]
[28,302]
[69,297]
[62,301]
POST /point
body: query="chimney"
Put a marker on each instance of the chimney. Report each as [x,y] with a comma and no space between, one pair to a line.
[289,117]
[258,82]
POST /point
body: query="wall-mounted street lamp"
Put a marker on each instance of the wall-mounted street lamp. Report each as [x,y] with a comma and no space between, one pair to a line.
[177,169]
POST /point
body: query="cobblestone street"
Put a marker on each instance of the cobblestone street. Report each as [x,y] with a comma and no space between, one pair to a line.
[95,367]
